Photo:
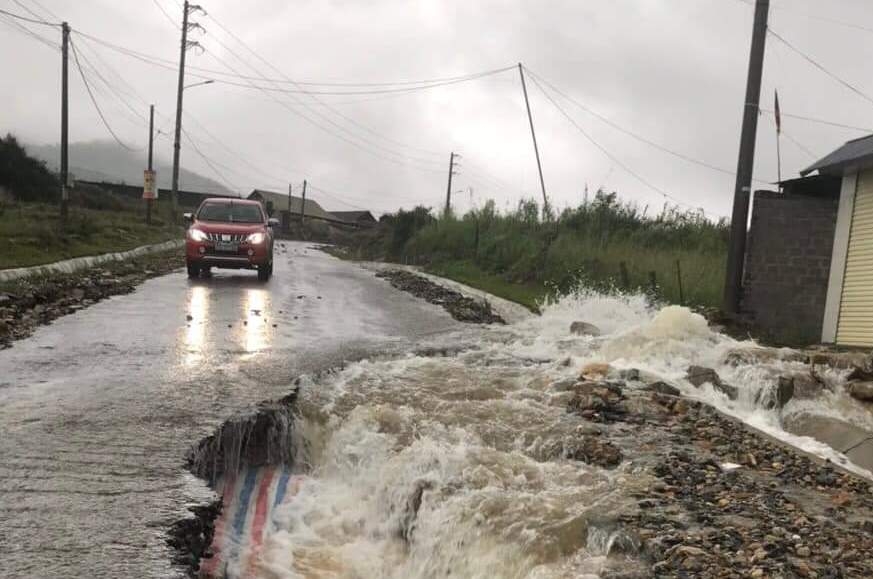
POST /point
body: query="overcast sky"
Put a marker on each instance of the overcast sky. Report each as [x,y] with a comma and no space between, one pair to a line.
[672,71]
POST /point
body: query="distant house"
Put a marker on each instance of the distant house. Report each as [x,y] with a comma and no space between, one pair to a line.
[280,206]
[848,313]
[189,199]
[359,218]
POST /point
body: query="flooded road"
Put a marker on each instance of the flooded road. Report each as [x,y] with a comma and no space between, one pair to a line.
[434,449]
[98,410]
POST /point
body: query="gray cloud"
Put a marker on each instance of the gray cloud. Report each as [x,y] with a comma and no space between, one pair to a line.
[673,71]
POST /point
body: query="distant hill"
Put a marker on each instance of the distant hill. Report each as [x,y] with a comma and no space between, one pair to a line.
[106,161]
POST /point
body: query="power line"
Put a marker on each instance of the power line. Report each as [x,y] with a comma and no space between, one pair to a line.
[31,20]
[606,152]
[318,125]
[94,100]
[819,121]
[23,29]
[821,67]
[630,133]
[212,164]
[166,14]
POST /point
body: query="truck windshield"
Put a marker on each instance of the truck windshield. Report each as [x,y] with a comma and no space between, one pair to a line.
[230,212]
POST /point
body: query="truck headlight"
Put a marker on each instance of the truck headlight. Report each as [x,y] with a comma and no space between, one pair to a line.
[197,235]
[256,238]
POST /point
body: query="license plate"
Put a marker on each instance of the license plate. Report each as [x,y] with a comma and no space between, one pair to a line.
[226,246]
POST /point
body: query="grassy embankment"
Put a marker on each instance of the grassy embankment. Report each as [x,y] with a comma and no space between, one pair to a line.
[30,233]
[99,221]
[606,245]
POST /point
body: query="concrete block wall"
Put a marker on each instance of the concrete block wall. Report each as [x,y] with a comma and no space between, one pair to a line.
[788,257]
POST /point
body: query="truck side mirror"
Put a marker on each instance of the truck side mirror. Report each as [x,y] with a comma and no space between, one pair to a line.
[272,222]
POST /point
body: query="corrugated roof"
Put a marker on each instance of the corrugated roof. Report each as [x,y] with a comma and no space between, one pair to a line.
[854,153]
[280,203]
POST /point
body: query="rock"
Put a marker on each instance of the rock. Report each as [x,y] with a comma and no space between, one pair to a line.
[594,450]
[77,294]
[630,374]
[594,370]
[663,388]
[860,390]
[584,329]
[598,401]
[781,394]
[698,376]
[5,299]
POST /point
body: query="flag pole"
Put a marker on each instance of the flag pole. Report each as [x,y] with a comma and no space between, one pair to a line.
[778,140]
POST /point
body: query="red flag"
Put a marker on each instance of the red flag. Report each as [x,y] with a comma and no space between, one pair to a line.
[778,115]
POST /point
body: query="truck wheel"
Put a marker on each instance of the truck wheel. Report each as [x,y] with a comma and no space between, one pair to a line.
[193,270]
[264,272]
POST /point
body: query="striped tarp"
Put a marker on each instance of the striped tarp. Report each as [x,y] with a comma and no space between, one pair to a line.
[249,499]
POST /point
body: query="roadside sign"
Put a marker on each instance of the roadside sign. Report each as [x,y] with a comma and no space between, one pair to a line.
[150,189]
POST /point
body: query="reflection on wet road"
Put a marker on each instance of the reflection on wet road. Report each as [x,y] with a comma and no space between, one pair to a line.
[98,410]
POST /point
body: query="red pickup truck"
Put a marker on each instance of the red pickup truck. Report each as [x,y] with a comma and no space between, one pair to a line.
[232,234]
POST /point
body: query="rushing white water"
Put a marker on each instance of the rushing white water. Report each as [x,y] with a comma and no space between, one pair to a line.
[429,467]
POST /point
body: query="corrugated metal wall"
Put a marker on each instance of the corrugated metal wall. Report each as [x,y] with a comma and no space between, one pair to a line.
[855,326]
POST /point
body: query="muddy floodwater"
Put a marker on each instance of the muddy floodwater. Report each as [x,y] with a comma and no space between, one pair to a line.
[415,446]
[466,458]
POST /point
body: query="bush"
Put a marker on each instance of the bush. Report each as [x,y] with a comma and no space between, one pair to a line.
[587,244]
[24,176]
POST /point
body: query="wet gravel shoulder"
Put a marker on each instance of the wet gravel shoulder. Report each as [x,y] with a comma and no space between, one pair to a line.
[717,498]
[28,303]
[460,307]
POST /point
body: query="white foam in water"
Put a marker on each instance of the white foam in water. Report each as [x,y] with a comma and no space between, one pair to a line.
[440,467]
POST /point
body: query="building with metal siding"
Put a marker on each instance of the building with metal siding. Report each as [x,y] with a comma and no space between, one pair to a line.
[848,316]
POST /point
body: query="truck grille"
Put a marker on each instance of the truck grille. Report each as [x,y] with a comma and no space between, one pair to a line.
[231,237]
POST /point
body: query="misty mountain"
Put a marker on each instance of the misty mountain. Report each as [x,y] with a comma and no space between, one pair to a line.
[106,161]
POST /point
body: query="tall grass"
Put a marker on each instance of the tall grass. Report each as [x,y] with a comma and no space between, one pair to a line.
[605,243]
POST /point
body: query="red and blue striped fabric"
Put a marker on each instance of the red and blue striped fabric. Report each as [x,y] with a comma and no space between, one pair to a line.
[249,499]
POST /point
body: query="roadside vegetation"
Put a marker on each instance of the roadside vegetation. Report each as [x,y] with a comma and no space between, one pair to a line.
[606,244]
[99,221]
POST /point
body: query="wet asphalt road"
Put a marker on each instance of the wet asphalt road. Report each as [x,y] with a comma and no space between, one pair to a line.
[98,410]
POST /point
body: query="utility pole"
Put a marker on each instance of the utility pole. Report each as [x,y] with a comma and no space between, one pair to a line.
[186,10]
[303,207]
[449,188]
[746,163]
[534,137]
[150,200]
[65,194]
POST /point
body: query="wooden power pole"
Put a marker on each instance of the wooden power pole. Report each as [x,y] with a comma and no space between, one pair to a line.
[534,137]
[303,207]
[65,177]
[449,188]
[745,164]
[149,200]
[174,193]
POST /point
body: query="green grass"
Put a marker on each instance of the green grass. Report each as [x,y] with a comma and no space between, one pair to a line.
[523,253]
[530,295]
[30,233]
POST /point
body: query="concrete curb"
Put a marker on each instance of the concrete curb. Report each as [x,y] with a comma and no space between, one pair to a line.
[77,263]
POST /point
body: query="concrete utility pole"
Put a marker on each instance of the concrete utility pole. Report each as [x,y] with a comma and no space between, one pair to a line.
[449,188]
[534,136]
[187,9]
[151,149]
[65,194]
[746,163]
